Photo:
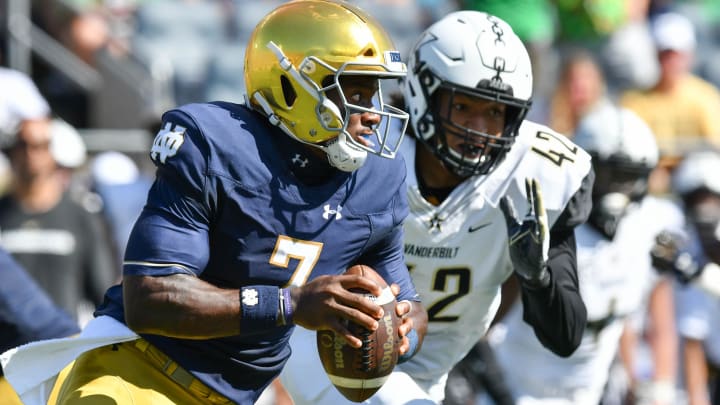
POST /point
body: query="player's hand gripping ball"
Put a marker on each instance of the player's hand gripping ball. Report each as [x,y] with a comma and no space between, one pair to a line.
[359,373]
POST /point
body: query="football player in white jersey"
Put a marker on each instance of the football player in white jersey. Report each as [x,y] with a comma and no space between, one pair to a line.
[476,169]
[696,182]
[694,258]
[615,271]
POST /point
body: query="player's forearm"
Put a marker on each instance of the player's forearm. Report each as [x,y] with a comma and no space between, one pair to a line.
[662,334]
[557,312]
[180,306]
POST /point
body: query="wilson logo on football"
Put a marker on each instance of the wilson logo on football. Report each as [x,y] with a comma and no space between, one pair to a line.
[167,142]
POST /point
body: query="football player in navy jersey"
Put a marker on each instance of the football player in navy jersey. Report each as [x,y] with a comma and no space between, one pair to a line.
[256,212]
[476,169]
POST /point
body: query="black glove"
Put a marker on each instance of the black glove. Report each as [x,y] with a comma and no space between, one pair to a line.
[669,256]
[529,240]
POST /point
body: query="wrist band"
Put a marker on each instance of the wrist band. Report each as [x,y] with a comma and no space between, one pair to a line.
[414,340]
[287,309]
[281,308]
[259,307]
[412,337]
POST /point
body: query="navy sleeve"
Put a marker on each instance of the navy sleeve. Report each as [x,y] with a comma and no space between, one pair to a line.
[389,261]
[26,312]
[387,255]
[171,234]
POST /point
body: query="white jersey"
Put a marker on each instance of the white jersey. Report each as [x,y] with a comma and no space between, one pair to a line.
[616,278]
[457,254]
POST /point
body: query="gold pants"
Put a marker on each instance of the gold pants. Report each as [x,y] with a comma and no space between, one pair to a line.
[7,393]
[130,373]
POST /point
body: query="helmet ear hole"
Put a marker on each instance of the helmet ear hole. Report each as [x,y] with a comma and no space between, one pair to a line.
[288,91]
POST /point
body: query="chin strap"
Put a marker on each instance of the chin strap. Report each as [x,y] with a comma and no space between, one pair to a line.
[343,155]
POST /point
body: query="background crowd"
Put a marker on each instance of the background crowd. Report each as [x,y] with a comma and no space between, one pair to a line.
[83,82]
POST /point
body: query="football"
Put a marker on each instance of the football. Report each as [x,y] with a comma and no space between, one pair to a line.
[359,373]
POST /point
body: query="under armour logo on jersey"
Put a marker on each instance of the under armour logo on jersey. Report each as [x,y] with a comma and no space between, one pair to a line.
[250,297]
[300,161]
[167,142]
[327,212]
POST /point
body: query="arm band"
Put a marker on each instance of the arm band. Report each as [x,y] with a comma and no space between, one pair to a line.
[286,306]
[259,307]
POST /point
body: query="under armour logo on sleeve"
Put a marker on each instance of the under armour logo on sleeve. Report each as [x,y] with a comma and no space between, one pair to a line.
[167,142]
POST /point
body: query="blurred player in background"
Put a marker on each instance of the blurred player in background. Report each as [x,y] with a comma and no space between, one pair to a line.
[478,216]
[695,260]
[615,271]
[255,213]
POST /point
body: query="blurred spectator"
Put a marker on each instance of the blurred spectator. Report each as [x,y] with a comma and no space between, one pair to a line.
[57,240]
[68,150]
[123,190]
[88,34]
[705,16]
[27,314]
[580,89]
[84,35]
[614,30]
[20,100]
[681,108]
[628,57]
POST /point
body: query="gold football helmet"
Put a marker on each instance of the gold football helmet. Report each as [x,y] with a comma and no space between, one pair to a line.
[299,52]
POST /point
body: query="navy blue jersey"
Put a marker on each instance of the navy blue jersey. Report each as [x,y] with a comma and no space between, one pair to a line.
[227,207]
[26,311]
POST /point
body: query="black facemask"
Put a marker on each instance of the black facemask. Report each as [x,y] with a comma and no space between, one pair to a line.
[706,220]
[607,211]
[618,183]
